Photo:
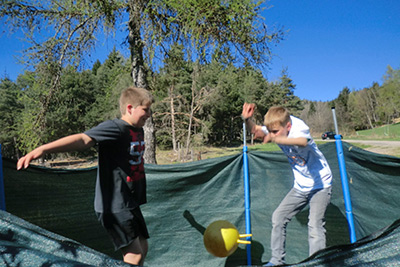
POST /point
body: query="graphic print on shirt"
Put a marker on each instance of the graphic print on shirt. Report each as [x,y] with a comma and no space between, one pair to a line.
[294,157]
[136,152]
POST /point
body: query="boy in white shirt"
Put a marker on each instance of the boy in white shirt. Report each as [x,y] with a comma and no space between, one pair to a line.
[312,177]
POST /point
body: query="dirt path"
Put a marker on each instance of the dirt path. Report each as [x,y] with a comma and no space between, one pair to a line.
[382,147]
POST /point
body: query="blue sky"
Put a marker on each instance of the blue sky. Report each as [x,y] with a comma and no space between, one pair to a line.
[329,45]
[333,44]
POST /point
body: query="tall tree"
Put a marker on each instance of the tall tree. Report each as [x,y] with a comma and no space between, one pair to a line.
[172,87]
[10,110]
[389,94]
[201,25]
[362,105]
[230,86]
[287,97]
[318,116]
[198,97]
[110,79]
[59,33]
[34,96]
[76,96]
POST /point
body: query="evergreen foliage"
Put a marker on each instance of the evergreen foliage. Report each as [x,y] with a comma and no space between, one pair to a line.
[204,101]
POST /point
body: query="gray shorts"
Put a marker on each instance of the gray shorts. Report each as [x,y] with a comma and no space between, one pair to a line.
[123,227]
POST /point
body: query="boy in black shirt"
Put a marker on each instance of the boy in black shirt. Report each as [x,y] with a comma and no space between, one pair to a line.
[121,183]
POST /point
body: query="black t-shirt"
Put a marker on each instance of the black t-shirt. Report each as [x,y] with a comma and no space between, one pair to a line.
[121,182]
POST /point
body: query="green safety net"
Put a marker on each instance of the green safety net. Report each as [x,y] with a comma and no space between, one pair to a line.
[25,244]
[183,199]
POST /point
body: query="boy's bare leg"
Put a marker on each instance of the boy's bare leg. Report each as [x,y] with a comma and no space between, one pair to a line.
[136,252]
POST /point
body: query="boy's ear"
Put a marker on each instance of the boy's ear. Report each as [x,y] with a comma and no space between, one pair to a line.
[289,126]
[129,108]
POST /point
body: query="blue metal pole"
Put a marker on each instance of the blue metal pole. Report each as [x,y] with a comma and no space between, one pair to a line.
[246,194]
[2,196]
[345,184]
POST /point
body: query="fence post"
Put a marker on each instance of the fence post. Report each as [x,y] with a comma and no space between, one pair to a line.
[345,184]
[246,179]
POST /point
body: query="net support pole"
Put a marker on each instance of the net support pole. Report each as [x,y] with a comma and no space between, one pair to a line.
[246,179]
[2,196]
[345,184]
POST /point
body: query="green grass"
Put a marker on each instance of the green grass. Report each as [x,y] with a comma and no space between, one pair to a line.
[226,151]
[387,132]
[264,147]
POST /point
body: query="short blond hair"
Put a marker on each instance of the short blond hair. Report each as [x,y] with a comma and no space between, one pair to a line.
[276,116]
[134,96]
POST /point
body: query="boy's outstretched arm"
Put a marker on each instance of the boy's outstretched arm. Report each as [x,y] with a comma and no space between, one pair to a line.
[69,143]
[283,140]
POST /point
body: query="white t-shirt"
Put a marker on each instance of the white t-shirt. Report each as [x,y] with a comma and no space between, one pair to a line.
[310,168]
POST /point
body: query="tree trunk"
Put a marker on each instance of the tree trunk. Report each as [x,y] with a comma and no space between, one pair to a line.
[150,140]
[171,97]
[189,131]
[370,122]
[139,73]
[17,154]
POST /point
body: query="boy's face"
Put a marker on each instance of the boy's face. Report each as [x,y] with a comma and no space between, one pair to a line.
[279,130]
[137,116]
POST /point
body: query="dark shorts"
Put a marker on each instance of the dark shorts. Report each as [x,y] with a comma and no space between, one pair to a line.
[124,227]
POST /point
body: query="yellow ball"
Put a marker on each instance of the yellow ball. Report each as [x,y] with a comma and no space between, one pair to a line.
[221,238]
